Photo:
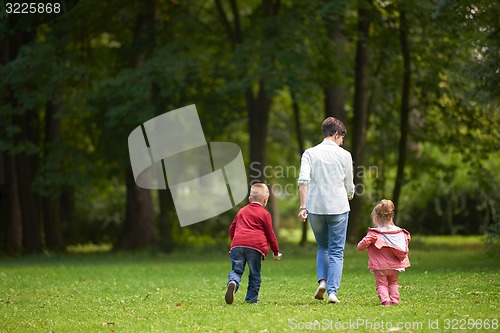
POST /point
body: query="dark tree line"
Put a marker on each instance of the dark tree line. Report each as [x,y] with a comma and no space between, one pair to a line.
[415,83]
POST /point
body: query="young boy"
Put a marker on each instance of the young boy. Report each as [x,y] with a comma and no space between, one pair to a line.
[250,232]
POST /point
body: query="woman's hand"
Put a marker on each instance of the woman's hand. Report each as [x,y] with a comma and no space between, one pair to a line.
[303,215]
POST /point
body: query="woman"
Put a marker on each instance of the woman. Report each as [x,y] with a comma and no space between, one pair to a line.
[325,188]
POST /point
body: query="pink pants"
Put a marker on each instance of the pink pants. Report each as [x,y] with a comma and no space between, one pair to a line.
[387,285]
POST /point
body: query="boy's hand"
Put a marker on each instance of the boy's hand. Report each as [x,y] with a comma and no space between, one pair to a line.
[278,257]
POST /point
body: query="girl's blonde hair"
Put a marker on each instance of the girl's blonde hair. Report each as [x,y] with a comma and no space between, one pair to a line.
[383,213]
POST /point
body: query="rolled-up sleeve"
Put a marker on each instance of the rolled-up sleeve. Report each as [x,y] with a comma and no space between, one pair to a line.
[305,169]
[368,240]
[349,179]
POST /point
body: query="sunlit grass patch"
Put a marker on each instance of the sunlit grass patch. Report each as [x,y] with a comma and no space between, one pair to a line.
[424,242]
[184,292]
[89,248]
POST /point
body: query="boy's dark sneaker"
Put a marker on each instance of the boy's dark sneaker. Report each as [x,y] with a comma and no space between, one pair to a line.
[254,302]
[231,289]
[386,303]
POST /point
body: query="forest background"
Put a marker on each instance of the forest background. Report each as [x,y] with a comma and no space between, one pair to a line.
[416,83]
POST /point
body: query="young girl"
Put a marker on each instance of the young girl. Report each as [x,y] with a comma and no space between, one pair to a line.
[387,247]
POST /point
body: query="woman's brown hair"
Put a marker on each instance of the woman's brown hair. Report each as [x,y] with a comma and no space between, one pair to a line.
[331,126]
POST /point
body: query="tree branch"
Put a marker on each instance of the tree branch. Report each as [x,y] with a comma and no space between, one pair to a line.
[238,33]
[225,23]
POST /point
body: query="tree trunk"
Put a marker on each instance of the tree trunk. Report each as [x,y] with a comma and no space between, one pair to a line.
[258,111]
[258,118]
[52,224]
[138,230]
[167,216]
[258,107]
[67,215]
[52,205]
[166,220]
[26,165]
[14,225]
[334,91]
[274,211]
[11,218]
[405,107]
[3,202]
[300,142]
[5,198]
[22,166]
[360,122]
[335,101]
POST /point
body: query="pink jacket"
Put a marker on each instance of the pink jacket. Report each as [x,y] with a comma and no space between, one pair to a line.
[387,249]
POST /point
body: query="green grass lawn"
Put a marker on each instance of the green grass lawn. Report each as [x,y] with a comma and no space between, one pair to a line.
[452,284]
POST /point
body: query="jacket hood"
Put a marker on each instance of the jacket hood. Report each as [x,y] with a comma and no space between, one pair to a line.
[396,240]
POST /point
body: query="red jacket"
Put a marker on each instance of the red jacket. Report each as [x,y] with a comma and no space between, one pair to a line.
[386,249]
[252,228]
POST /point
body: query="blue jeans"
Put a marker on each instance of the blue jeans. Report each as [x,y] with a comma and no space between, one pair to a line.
[330,233]
[240,256]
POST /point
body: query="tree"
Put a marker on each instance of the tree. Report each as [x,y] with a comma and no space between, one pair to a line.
[20,143]
[405,106]
[360,122]
[335,90]
[138,230]
[263,74]
[52,203]
[257,98]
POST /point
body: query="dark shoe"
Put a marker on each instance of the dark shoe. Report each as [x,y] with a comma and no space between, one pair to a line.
[254,302]
[231,289]
[386,303]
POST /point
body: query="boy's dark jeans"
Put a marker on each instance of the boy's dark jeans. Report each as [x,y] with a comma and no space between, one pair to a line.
[239,257]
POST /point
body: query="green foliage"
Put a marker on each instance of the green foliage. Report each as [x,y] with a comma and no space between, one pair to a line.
[451,196]
[479,30]
[493,238]
[23,95]
[450,185]
[87,63]
[98,213]
[63,167]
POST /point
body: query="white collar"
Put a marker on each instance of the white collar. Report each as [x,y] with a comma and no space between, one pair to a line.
[330,142]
